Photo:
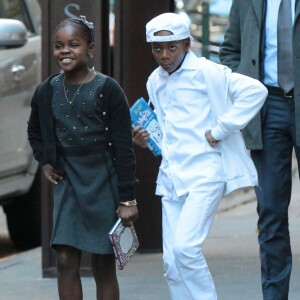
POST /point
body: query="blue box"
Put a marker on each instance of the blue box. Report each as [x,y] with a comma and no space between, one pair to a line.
[143,115]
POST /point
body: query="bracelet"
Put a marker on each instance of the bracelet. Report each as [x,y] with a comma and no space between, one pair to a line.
[129,203]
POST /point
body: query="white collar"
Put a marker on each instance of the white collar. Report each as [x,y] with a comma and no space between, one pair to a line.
[189,63]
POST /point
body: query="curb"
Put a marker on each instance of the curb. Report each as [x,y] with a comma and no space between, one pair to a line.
[246,195]
[236,199]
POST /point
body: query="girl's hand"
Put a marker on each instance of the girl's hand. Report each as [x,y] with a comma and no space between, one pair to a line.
[140,136]
[211,140]
[51,174]
[128,214]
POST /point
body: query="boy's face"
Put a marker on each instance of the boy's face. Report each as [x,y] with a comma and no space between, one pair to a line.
[169,55]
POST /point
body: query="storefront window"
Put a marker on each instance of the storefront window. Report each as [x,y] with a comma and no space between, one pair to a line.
[218,21]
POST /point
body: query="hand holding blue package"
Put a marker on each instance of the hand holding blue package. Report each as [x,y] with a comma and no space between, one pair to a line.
[143,115]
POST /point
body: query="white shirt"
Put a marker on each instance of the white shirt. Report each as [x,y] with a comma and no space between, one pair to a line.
[184,115]
[270,59]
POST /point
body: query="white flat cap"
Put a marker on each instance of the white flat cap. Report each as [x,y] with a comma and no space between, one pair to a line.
[172,22]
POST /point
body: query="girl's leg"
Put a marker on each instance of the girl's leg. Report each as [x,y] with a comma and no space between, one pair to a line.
[68,277]
[104,271]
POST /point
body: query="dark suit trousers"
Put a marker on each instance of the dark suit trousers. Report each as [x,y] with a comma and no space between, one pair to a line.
[274,167]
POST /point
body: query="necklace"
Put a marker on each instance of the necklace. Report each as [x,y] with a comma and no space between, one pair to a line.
[78,90]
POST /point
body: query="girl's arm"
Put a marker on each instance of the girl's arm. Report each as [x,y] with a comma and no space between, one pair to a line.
[34,129]
[121,138]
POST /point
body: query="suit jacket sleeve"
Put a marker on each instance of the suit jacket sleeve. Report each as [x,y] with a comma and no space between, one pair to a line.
[230,50]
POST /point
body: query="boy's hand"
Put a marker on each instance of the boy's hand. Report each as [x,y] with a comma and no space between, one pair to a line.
[51,174]
[140,136]
[211,140]
[128,214]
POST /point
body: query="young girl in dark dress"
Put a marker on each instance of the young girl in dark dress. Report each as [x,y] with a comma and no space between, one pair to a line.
[80,132]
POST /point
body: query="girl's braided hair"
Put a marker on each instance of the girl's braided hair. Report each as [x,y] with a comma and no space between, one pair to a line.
[82,23]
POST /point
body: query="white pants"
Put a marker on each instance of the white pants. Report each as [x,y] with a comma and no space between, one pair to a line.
[186,223]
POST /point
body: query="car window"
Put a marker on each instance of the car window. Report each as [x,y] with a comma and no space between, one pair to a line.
[15,9]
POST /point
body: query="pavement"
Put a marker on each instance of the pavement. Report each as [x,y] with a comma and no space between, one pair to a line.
[231,251]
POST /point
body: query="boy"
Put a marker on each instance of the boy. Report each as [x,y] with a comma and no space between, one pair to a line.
[201,106]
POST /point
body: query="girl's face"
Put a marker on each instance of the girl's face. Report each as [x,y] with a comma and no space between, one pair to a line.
[71,50]
[169,55]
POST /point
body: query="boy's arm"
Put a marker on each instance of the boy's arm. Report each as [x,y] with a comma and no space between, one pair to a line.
[211,140]
[248,96]
[140,136]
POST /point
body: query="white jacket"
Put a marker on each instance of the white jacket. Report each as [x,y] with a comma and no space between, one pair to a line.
[232,114]
[235,99]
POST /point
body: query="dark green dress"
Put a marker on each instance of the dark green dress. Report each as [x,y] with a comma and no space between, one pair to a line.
[86,200]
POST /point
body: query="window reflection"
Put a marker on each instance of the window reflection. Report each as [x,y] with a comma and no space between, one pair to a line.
[14,9]
[218,21]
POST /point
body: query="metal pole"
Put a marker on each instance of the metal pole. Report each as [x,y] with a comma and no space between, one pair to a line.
[205,28]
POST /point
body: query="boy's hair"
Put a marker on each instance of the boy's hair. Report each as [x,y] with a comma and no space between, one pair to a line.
[172,22]
[82,23]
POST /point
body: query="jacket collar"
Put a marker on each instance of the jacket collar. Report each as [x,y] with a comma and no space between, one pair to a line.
[189,63]
[297,10]
[259,7]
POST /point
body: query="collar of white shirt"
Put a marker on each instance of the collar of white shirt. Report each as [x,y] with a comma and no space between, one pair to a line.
[189,62]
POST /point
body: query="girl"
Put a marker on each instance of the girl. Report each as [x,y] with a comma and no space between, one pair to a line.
[80,132]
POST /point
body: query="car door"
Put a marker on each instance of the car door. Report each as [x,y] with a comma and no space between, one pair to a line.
[19,75]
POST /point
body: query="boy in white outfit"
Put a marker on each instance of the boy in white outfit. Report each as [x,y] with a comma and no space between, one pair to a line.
[201,107]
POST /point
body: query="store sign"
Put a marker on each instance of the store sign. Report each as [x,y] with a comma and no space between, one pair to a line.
[71,8]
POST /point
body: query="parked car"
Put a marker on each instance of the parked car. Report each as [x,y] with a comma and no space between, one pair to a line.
[20,73]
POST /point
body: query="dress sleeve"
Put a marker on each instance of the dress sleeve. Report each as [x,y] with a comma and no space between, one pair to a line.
[34,129]
[121,138]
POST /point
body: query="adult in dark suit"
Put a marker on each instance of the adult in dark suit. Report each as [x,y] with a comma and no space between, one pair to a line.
[250,48]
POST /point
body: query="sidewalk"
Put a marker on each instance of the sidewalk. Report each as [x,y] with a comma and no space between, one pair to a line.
[231,251]
[20,279]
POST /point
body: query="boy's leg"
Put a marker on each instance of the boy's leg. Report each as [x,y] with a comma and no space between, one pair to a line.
[68,278]
[104,271]
[193,225]
[171,209]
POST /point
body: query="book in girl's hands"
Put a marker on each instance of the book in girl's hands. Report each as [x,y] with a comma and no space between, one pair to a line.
[143,115]
[124,242]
